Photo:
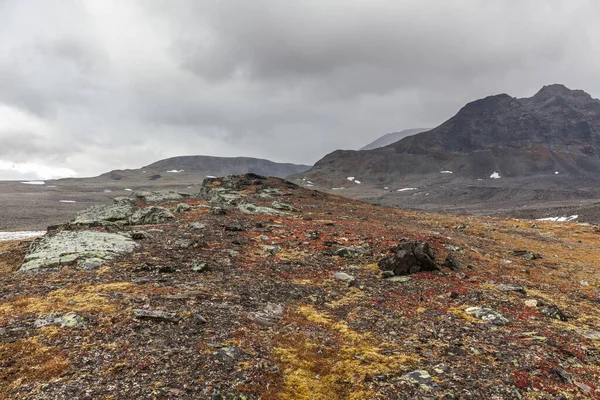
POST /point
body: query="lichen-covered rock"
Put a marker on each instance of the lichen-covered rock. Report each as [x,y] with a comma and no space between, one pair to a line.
[487,314]
[510,288]
[526,254]
[253,209]
[157,315]
[151,215]
[90,250]
[420,378]
[554,313]
[160,196]
[284,207]
[350,251]
[451,262]
[408,258]
[69,320]
[182,207]
[119,213]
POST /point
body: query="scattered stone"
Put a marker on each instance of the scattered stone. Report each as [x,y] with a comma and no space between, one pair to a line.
[284,207]
[101,215]
[156,315]
[526,254]
[151,215]
[139,235]
[69,320]
[183,243]
[562,374]
[91,249]
[196,226]
[271,250]
[182,207]
[234,228]
[487,314]
[584,388]
[193,294]
[408,258]
[510,288]
[160,196]
[269,317]
[420,378]
[200,267]
[387,274]
[593,335]
[218,210]
[343,276]
[554,312]
[400,279]
[199,319]
[350,251]
[225,197]
[162,269]
[253,209]
[531,303]
[451,262]
[227,354]
[452,247]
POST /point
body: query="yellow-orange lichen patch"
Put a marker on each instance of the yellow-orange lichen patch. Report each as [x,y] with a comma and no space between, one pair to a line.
[326,359]
[11,255]
[28,360]
[77,298]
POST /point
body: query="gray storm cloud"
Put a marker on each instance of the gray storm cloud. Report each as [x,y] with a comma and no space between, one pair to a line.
[97,85]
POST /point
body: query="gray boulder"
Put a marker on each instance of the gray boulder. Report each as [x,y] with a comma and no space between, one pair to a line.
[151,215]
[253,209]
[487,314]
[408,258]
[69,320]
[87,248]
[160,196]
[104,215]
[182,207]
[283,206]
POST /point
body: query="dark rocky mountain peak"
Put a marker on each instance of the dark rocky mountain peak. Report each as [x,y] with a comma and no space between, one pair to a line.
[557,129]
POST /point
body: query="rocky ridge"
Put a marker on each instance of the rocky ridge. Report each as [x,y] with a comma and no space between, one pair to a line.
[259,288]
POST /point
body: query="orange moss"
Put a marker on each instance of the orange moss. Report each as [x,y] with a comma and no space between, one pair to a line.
[27,360]
[338,370]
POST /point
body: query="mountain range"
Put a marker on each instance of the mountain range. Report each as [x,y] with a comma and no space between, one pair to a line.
[499,150]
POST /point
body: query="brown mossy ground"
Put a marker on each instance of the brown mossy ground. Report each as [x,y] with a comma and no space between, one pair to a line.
[333,341]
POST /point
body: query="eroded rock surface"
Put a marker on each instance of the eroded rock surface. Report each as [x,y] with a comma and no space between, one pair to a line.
[87,249]
[408,258]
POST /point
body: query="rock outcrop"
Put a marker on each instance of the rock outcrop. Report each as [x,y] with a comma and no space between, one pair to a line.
[86,249]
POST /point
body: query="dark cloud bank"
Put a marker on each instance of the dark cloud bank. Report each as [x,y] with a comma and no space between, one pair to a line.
[97,85]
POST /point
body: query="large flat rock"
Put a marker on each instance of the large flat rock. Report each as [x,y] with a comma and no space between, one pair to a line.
[87,249]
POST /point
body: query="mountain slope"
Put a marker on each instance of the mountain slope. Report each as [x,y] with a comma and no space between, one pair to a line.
[201,166]
[550,141]
[392,138]
[222,166]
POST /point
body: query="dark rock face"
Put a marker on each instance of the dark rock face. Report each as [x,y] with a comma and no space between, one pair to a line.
[408,258]
[556,129]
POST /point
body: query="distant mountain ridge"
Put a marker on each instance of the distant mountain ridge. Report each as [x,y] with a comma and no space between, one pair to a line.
[194,167]
[556,130]
[222,166]
[393,137]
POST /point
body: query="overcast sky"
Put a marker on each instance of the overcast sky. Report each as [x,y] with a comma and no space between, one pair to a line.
[90,86]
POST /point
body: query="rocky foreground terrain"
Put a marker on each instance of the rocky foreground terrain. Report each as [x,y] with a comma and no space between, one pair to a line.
[259,288]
